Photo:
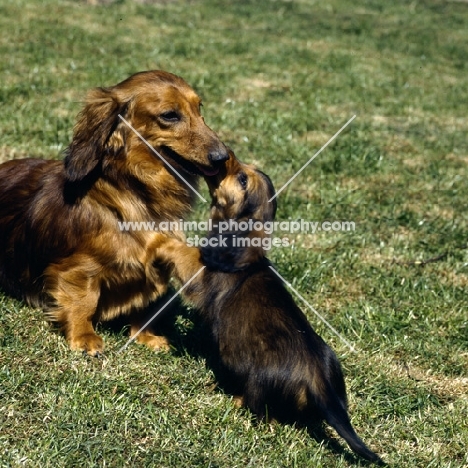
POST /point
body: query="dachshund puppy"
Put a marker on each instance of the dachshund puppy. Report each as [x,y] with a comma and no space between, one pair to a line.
[267,349]
[61,246]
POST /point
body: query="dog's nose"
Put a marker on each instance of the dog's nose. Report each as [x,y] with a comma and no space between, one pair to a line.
[219,155]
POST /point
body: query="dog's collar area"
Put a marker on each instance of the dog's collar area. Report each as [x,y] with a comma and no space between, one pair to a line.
[227,261]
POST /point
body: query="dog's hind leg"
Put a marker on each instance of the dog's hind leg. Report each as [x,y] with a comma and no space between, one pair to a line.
[74,289]
[255,398]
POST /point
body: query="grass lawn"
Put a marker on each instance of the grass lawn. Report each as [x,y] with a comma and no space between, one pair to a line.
[278,79]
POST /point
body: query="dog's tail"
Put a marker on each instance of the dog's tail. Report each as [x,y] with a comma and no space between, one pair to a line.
[336,415]
[327,390]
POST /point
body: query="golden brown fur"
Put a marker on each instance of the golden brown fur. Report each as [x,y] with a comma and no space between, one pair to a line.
[61,247]
[268,353]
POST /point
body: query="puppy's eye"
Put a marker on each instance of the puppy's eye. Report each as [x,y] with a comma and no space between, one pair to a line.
[242,178]
[170,116]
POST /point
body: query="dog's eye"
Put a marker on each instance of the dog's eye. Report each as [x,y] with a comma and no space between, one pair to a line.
[170,116]
[242,178]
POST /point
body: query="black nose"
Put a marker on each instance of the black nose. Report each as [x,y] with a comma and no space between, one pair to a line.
[219,155]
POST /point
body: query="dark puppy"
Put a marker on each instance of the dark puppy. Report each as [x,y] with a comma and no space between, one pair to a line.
[279,366]
[61,247]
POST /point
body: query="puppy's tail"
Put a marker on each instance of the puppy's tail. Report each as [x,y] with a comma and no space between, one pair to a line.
[337,416]
[327,390]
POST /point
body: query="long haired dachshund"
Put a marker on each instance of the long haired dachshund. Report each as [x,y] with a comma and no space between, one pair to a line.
[281,368]
[61,247]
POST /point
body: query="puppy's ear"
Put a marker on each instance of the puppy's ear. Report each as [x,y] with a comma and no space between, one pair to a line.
[271,206]
[96,133]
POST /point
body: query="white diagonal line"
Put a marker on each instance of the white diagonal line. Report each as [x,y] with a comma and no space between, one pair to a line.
[133,338]
[160,157]
[312,158]
[315,312]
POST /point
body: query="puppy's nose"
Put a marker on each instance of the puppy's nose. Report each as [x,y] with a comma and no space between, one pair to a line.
[219,155]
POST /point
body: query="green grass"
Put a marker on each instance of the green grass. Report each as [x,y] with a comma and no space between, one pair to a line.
[278,78]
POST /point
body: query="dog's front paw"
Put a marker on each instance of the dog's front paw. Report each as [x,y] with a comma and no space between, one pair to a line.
[89,343]
[159,239]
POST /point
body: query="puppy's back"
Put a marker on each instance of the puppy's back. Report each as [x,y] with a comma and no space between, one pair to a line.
[259,326]
[280,365]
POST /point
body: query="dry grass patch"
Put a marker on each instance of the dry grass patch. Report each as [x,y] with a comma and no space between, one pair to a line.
[450,277]
[459,158]
[342,111]
[315,137]
[445,388]
[318,46]
[255,87]
[7,153]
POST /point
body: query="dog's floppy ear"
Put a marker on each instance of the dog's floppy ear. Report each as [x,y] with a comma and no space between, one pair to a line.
[96,124]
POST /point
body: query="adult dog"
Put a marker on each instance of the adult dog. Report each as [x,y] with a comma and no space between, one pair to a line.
[61,247]
[269,354]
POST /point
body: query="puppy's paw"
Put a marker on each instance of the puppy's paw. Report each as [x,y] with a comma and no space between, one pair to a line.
[148,338]
[89,343]
[238,401]
[154,342]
